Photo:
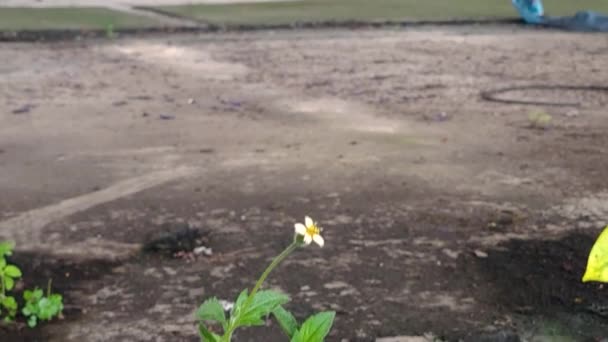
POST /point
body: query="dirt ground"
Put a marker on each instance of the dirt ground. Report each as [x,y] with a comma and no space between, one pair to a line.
[444,214]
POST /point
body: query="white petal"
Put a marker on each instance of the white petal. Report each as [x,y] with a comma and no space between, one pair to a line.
[319,240]
[300,229]
[308,221]
[307,239]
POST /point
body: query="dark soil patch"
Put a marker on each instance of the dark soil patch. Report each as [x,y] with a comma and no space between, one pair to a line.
[171,240]
[540,280]
[68,277]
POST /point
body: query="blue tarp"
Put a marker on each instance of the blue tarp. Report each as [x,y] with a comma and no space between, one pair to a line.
[532,12]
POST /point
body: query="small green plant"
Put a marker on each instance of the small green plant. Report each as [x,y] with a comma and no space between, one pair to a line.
[9,274]
[251,309]
[37,306]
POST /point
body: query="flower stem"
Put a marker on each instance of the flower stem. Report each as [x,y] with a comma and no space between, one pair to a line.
[276,261]
[48,288]
[269,269]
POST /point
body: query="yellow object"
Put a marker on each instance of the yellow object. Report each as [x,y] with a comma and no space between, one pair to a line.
[540,118]
[597,265]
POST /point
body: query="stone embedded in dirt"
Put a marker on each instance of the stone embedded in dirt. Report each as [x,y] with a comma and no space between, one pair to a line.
[191,101]
[450,253]
[203,250]
[336,285]
[480,254]
[23,109]
[494,226]
[170,271]
[348,292]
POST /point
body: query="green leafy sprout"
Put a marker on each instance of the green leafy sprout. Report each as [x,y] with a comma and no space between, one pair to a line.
[251,309]
[38,306]
[9,274]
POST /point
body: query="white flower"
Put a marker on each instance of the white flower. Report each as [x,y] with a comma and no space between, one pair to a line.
[310,231]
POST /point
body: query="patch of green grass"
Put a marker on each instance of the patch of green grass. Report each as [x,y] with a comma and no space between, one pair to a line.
[343,10]
[69,18]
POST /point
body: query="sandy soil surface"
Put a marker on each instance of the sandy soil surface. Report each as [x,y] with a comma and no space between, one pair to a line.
[443,213]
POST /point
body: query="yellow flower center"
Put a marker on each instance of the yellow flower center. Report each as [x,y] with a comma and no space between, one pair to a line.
[313,230]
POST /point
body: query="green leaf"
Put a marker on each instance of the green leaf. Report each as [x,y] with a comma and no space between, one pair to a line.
[27,310]
[286,320]
[263,303]
[6,248]
[9,303]
[2,263]
[45,308]
[38,294]
[9,283]
[206,335]
[315,328]
[12,271]
[211,310]
[250,320]
[239,302]
[57,300]
[32,296]
[32,321]
[48,308]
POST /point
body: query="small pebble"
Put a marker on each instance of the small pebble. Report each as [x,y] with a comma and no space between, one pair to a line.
[480,254]
[203,250]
